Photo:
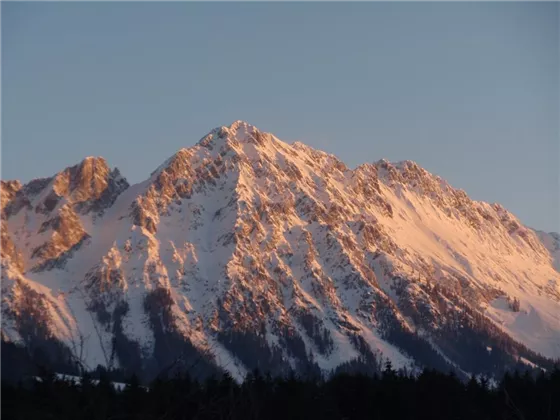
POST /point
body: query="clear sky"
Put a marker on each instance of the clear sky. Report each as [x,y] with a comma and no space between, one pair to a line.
[468,90]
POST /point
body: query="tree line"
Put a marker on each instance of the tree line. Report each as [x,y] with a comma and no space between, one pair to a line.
[389,394]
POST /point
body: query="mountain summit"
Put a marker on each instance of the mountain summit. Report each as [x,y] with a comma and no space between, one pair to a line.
[246,252]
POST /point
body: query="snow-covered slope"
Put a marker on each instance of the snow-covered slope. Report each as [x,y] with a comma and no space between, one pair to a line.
[244,251]
[551,241]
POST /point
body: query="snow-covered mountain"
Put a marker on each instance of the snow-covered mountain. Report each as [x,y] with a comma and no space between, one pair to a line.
[244,251]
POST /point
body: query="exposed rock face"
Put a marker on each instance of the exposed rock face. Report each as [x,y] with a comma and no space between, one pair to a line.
[245,252]
[48,217]
[8,251]
[8,190]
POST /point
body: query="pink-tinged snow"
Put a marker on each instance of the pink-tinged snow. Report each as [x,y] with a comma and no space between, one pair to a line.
[526,276]
[552,242]
[537,324]
[196,268]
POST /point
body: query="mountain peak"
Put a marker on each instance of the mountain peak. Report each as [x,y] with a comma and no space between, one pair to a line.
[241,131]
[85,180]
[236,125]
[90,184]
[238,131]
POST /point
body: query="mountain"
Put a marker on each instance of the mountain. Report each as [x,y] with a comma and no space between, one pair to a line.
[246,252]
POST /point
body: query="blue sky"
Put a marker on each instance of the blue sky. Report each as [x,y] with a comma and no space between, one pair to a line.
[468,90]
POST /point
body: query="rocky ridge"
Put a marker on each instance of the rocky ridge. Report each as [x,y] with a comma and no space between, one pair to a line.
[247,252]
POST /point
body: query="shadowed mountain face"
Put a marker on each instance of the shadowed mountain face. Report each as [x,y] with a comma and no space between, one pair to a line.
[245,252]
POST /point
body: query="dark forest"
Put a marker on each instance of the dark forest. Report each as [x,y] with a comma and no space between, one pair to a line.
[389,395]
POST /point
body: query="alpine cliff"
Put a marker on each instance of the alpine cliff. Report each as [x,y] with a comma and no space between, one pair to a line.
[246,252]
